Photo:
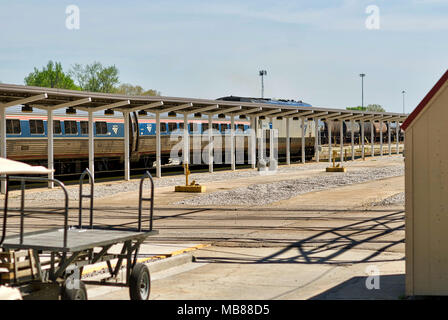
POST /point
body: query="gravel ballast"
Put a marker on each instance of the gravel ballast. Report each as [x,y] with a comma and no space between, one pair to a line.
[108,189]
[262,194]
[254,194]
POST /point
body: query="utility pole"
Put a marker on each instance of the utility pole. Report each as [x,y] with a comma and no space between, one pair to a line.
[262,73]
[403,92]
[362,75]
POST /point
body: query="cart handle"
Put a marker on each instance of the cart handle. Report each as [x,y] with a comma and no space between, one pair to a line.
[22,205]
[81,196]
[141,199]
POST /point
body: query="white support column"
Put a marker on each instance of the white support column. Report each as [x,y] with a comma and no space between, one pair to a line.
[341,135]
[397,129]
[127,165]
[303,138]
[232,142]
[389,138]
[91,145]
[50,148]
[253,142]
[352,138]
[372,137]
[288,142]
[3,142]
[381,138]
[271,141]
[329,126]
[158,148]
[316,139]
[261,141]
[186,147]
[362,140]
[210,144]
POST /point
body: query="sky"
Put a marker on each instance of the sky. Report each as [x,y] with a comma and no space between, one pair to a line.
[312,50]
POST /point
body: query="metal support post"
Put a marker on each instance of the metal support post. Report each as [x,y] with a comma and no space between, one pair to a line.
[50,148]
[210,144]
[158,148]
[91,145]
[303,139]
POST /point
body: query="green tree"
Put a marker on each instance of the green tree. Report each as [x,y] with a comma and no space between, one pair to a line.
[96,78]
[370,107]
[357,108]
[375,107]
[130,90]
[51,76]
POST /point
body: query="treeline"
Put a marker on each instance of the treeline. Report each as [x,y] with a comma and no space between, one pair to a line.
[370,107]
[90,77]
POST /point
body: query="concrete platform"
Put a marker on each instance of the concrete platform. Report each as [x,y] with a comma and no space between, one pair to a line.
[317,245]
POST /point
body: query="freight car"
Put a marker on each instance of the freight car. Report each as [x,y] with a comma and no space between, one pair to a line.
[348,127]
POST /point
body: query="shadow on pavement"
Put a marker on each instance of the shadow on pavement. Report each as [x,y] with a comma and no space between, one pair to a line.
[391,287]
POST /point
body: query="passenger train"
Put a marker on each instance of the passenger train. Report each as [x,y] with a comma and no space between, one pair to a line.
[27,136]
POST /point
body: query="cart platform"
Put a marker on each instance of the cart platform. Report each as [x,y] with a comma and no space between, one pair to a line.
[71,248]
[77,239]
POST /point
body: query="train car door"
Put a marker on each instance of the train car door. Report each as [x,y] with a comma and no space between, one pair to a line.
[134,133]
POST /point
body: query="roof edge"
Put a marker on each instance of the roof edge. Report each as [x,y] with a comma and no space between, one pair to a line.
[425,101]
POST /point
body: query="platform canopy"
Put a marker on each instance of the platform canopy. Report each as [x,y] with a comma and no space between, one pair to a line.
[10,167]
[52,99]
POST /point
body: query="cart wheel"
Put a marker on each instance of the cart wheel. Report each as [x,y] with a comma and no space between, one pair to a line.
[70,293]
[139,282]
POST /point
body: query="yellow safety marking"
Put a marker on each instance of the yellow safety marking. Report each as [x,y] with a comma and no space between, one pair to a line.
[92,269]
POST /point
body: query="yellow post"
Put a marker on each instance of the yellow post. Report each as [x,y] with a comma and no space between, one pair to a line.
[187,173]
[193,187]
[334,158]
[335,168]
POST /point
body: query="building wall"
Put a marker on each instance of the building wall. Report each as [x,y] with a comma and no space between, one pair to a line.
[426,169]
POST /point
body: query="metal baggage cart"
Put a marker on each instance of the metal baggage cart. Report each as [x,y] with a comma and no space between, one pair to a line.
[71,248]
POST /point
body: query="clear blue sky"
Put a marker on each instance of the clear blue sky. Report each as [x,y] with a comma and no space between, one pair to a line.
[312,50]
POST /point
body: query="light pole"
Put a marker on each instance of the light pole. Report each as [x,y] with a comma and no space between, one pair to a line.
[362,75]
[262,73]
[403,92]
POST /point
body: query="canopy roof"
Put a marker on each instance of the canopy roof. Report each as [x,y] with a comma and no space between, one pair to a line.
[9,167]
[52,99]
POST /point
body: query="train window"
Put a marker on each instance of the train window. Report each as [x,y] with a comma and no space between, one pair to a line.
[36,126]
[204,127]
[223,127]
[181,125]
[57,127]
[172,126]
[13,126]
[101,127]
[162,127]
[239,127]
[215,126]
[70,127]
[84,127]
